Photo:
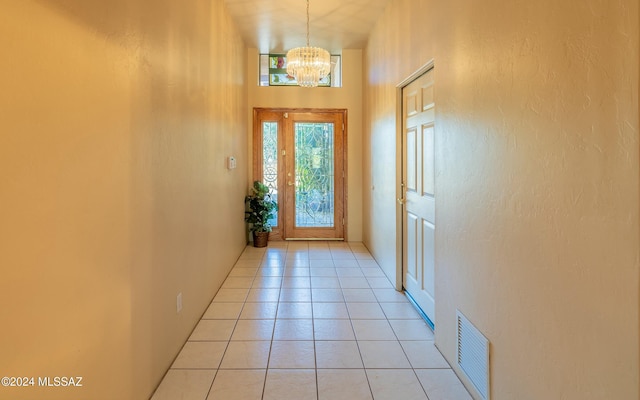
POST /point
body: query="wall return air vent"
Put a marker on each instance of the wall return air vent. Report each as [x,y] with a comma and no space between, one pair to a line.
[473,355]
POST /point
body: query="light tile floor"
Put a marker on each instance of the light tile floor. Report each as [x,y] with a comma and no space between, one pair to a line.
[310,320]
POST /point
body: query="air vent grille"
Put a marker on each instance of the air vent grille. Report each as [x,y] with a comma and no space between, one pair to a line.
[473,355]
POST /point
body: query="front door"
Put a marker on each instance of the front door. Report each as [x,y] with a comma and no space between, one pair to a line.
[300,155]
[419,224]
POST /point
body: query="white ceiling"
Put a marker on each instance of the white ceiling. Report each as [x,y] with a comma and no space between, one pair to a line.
[279,25]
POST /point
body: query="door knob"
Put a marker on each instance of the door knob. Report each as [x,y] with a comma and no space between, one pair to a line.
[401,201]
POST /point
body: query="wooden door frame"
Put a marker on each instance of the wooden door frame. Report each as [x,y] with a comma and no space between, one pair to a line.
[257,156]
[399,168]
[276,234]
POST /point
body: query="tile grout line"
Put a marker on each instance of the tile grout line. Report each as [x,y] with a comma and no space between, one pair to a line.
[266,369]
[361,357]
[313,327]
[295,263]
[215,375]
[364,368]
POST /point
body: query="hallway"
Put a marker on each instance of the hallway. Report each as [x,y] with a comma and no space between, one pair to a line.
[310,320]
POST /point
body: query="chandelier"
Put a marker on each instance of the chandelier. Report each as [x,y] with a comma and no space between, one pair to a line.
[308,64]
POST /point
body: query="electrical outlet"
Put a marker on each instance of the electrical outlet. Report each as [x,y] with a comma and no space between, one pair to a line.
[179,302]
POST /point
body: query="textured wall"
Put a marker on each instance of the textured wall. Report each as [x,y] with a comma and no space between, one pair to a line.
[115,121]
[537,237]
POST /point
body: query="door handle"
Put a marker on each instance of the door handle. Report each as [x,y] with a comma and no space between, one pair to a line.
[290,183]
[401,201]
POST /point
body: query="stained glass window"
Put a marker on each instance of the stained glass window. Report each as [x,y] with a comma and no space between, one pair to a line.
[273,72]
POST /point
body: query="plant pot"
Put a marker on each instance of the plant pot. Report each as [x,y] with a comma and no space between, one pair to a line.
[260,239]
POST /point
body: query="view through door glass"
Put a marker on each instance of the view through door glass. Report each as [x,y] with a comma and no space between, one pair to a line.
[314,186]
[300,157]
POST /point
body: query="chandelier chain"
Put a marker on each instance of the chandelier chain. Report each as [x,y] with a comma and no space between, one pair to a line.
[308,65]
[307,23]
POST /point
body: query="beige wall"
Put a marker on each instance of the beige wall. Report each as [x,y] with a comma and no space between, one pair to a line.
[349,97]
[115,120]
[537,183]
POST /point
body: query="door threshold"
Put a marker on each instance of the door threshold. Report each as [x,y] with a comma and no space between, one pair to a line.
[315,239]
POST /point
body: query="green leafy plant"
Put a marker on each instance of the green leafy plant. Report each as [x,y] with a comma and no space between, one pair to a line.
[261,208]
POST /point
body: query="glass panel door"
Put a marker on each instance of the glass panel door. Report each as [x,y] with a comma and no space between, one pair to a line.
[314,167]
[315,175]
[300,156]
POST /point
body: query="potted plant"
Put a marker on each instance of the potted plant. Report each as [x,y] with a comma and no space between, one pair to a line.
[261,209]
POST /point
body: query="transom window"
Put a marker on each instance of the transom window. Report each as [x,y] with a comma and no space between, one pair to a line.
[273,72]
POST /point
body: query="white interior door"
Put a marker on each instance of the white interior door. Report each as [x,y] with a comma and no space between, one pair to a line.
[419,224]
